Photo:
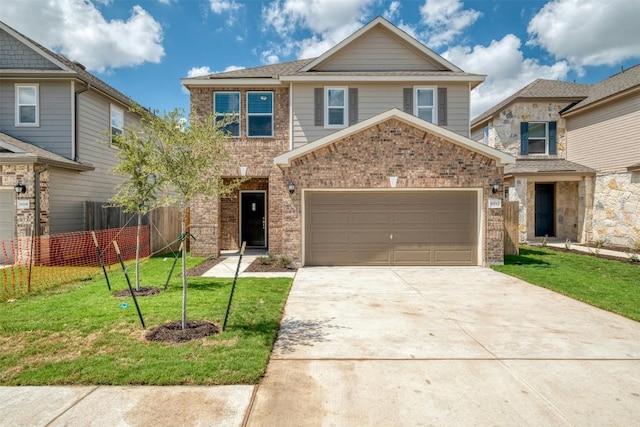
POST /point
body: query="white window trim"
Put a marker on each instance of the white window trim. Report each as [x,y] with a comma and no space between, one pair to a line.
[215,113]
[546,139]
[345,115]
[272,114]
[434,116]
[113,107]
[18,105]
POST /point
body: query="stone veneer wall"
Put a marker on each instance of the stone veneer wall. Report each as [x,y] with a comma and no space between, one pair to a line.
[392,148]
[504,130]
[211,231]
[616,209]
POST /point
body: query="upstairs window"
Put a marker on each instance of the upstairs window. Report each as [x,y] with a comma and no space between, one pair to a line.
[425,107]
[27,111]
[227,106]
[259,114]
[336,107]
[538,138]
[117,121]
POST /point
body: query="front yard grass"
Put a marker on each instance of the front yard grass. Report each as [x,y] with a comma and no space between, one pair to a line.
[81,334]
[608,284]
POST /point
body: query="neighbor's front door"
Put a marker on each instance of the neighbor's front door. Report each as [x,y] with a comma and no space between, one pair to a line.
[253,221]
[544,209]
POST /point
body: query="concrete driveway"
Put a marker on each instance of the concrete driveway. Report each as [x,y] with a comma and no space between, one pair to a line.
[445,346]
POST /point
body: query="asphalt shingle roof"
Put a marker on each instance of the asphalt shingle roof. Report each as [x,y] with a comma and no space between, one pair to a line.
[527,166]
[540,88]
[30,152]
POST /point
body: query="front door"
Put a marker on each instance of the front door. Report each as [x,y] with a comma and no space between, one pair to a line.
[544,209]
[253,221]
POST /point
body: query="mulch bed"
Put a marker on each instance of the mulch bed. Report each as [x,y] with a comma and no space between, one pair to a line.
[145,291]
[203,267]
[172,332]
[274,267]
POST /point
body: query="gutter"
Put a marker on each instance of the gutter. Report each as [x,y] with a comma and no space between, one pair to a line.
[76,122]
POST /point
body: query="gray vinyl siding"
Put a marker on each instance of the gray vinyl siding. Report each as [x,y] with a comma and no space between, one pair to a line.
[69,189]
[606,138]
[378,50]
[54,132]
[18,56]
[373,99]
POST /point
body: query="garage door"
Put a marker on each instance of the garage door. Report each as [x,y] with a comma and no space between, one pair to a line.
[391,228]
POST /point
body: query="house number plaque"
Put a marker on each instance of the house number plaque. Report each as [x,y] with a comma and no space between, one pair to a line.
[495,203]
[23,204]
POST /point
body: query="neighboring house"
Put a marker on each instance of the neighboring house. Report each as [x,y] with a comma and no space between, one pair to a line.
[529,125]
[56,120]
[360,156]
[603,132]
[577,149]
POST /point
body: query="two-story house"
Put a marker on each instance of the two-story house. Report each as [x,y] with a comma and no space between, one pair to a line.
[529,125]
[360,156]
[603,133]
[56,121]
[577,151]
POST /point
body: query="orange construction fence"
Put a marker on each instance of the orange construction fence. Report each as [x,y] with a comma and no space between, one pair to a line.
[34,263]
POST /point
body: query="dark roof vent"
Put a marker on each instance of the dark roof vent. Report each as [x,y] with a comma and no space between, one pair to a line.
[80,65]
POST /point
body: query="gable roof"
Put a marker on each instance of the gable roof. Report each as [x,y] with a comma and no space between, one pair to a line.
[617,85]
[380,21]
[13,150]
[309,70]
[538,89]
[67,68]
[501,158]
[547,166]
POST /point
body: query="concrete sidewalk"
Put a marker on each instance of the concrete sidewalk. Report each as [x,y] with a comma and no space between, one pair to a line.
[395,347]
[228,266]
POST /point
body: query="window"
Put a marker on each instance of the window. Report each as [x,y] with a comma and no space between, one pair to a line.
[426,104]
[27,113]
[117,121]
[485,135]
[538,138]
[260,114]
[336,107]
[227,105]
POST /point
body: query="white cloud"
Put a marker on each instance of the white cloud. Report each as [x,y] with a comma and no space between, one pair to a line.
[199,71]
[445,19]
[77,29]
[221,6]
[588,32]
[506,69]
[393,11]
[328,22]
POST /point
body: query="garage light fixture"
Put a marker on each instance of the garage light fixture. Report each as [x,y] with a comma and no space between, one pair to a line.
[292,188]
[20,188]
[495,187]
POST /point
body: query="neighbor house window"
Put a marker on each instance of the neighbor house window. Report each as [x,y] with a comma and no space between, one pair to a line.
[260,114]
[27,111]
[538,138]
[117,121]
[336,111]
[227,106]
[426,104]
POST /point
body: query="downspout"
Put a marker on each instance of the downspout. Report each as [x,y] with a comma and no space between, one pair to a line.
[290,116]
[76,124]
[37,172]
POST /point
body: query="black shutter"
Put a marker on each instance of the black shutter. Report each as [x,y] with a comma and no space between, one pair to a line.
[318,100]
[353,106]
[553,146]
[442,106]
[524,138]
[408,100]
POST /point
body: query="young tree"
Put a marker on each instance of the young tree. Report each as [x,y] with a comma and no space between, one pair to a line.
[137,154]
[191,157]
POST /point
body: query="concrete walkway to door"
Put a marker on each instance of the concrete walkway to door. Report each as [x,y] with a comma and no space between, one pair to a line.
[445,346]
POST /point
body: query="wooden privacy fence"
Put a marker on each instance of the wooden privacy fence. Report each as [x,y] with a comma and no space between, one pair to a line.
[511,238]
[164,223]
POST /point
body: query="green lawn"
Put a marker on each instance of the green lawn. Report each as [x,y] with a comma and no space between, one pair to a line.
[82,334]
[607,284]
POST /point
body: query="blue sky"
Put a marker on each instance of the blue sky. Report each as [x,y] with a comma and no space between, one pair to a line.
[144,47]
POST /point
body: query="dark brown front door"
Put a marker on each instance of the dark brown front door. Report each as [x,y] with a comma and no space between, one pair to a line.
[253,222]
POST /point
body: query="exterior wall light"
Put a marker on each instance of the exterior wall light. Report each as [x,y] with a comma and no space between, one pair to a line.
[291,187]
[495,187]
[20,188]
